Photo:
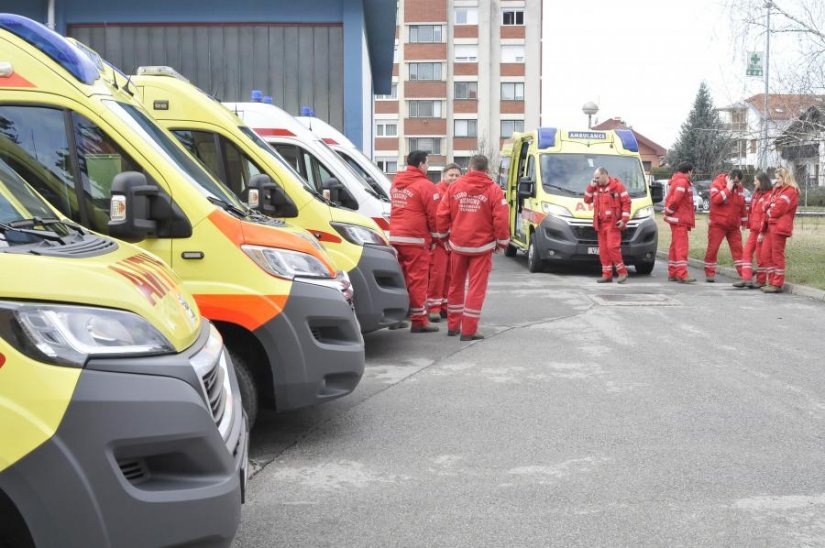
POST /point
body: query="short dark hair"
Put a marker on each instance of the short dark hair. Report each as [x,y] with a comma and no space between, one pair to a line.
[448,167]
[685,167]
[602,170]
[764,181]
[736,174]
[417,157]
[479,162]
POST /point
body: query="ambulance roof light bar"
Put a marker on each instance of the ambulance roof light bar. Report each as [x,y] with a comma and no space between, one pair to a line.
[256,96]
[267,99]
[307,111]
[56,47]
[160,70]
[628,139]
[547,137]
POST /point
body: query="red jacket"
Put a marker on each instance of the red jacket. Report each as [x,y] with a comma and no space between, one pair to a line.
[679,203]
[475,215]
[727,207]
[781,209]
[611,202]
[440,191]
[412,217]
[756,216]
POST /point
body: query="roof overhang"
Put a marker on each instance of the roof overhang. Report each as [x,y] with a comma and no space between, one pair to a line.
[379,22]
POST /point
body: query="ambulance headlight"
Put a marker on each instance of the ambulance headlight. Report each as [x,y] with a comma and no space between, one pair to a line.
[359,235]
[286,264]
[644,212]
[70,335]
[556,210]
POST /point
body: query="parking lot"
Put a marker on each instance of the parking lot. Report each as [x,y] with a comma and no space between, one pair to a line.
[645,414]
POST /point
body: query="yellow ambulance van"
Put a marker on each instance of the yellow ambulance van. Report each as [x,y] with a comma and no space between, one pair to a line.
[544,174]
[271,291]
[120,414]
[233,153]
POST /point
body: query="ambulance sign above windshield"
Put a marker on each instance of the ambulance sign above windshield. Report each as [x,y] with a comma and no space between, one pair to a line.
[591,135]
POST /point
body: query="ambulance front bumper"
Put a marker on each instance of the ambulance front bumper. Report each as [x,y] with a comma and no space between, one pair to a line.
[380,293]
[139,459]
[575,240]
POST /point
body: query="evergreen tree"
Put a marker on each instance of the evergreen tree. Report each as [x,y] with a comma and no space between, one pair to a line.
[702,140]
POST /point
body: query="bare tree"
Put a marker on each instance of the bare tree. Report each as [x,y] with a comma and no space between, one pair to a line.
[488,149]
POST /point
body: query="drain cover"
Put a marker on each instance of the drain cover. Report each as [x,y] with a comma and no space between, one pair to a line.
[634,299]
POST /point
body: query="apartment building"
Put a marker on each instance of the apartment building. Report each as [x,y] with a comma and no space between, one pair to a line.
[466,75]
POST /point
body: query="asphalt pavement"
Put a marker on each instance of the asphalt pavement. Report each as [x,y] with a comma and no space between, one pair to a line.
[644,414]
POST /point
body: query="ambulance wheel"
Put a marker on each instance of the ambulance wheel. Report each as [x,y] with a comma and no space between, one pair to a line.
[248,389]
[510,251]
[534,264]
[645,268]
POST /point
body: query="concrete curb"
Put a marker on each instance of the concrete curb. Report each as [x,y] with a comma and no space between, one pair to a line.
[794,289]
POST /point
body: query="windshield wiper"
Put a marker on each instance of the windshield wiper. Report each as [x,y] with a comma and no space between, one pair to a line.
[228,207]
[562,188]
[42,234]
[45,223]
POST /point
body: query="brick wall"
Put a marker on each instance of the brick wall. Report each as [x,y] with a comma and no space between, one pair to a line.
[425,126]
[425,11]
[425,89]
[435,52]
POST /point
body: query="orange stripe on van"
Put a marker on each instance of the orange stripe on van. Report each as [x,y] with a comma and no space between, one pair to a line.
[273,132]
[248,311]
[15,81]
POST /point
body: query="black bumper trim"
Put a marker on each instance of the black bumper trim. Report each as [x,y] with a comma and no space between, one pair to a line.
[381,297]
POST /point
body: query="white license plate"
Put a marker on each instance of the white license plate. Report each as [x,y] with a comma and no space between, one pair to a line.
[592,250]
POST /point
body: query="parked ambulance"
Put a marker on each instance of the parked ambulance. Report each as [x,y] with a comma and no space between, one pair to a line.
[545,173]
[348,152]
[235,154]
[271,291]
[120,415]
[314,160]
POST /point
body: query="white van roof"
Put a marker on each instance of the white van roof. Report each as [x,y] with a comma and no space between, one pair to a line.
[326,132]
[272,120]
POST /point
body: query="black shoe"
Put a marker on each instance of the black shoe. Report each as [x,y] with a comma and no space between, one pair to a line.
[434,318]
[451,333]
[473,337]
[604,280]
[424,329]
[710,279]
[443,314]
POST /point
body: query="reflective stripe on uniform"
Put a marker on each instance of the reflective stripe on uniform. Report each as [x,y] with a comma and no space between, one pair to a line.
[478,249]
[681,189]
[786,199]
[405,240]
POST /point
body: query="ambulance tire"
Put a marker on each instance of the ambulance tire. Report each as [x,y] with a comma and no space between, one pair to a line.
[510,251]
[645,268]
[534,264]
[248,389]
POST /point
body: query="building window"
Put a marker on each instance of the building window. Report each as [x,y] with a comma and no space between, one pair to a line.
[512,17]
[386,129]
[395,54]
[466,16]
[512,53]
[425,34]
[387,166]
[512,91]
[429,144]
[466,90]
[753,146]
[646,166]
[510,126]
[465,53]
[465,128]
[424,109]
[462,161]
[392,95]
[425,71]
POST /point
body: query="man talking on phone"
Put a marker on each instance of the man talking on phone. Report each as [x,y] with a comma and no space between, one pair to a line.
[611,211]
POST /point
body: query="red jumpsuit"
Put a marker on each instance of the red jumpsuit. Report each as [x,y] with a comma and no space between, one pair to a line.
[681,217]
[439,264]
[474,213]
[727,216]
[779,213]
[755,246]
[611,204]
[412,229]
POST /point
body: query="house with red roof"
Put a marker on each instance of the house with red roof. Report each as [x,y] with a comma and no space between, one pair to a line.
[651,152]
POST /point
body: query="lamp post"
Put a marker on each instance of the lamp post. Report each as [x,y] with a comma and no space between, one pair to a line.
[768,5]
[590,108]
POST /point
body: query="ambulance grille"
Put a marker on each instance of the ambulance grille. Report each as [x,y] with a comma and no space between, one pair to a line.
[88,246]
[213,386]
[133,470]
[588,233]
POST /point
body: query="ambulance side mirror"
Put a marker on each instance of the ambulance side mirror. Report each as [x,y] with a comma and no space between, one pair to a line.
[332,189]
[131,207]
[268,198]
[656,192]
[526,187]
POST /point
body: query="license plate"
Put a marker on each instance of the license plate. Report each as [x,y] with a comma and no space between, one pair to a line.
[592,250]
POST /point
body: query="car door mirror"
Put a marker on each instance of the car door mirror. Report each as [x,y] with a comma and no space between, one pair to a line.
[130,209]
[526,187]
[266,197]
[656,192]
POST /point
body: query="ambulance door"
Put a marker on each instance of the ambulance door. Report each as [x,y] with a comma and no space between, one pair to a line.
[518,227]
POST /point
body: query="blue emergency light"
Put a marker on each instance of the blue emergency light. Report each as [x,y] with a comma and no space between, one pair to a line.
[547,137]
[53,45]
[268,99]
[306,111]
[256,96]
[628,139]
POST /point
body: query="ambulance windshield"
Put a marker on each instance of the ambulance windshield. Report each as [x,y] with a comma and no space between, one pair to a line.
[569,174]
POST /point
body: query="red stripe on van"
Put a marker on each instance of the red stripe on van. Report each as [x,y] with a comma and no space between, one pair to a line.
[329,141]
[273,132]
[382,223]
[14,81]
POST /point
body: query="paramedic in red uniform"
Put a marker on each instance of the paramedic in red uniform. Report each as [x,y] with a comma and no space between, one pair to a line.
[779,216]
[755,244]
[611,211]
[727,215]
[412,226]
[680,216]
[475,216]
[440,256]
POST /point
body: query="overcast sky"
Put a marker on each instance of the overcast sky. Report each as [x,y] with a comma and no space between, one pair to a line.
[641,60]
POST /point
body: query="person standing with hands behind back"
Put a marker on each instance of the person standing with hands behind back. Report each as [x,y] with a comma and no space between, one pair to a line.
[611,211]
[475,215]
[779,214]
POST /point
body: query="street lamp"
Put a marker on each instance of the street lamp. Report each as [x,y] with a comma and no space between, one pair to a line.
[768,5]
[590,108]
